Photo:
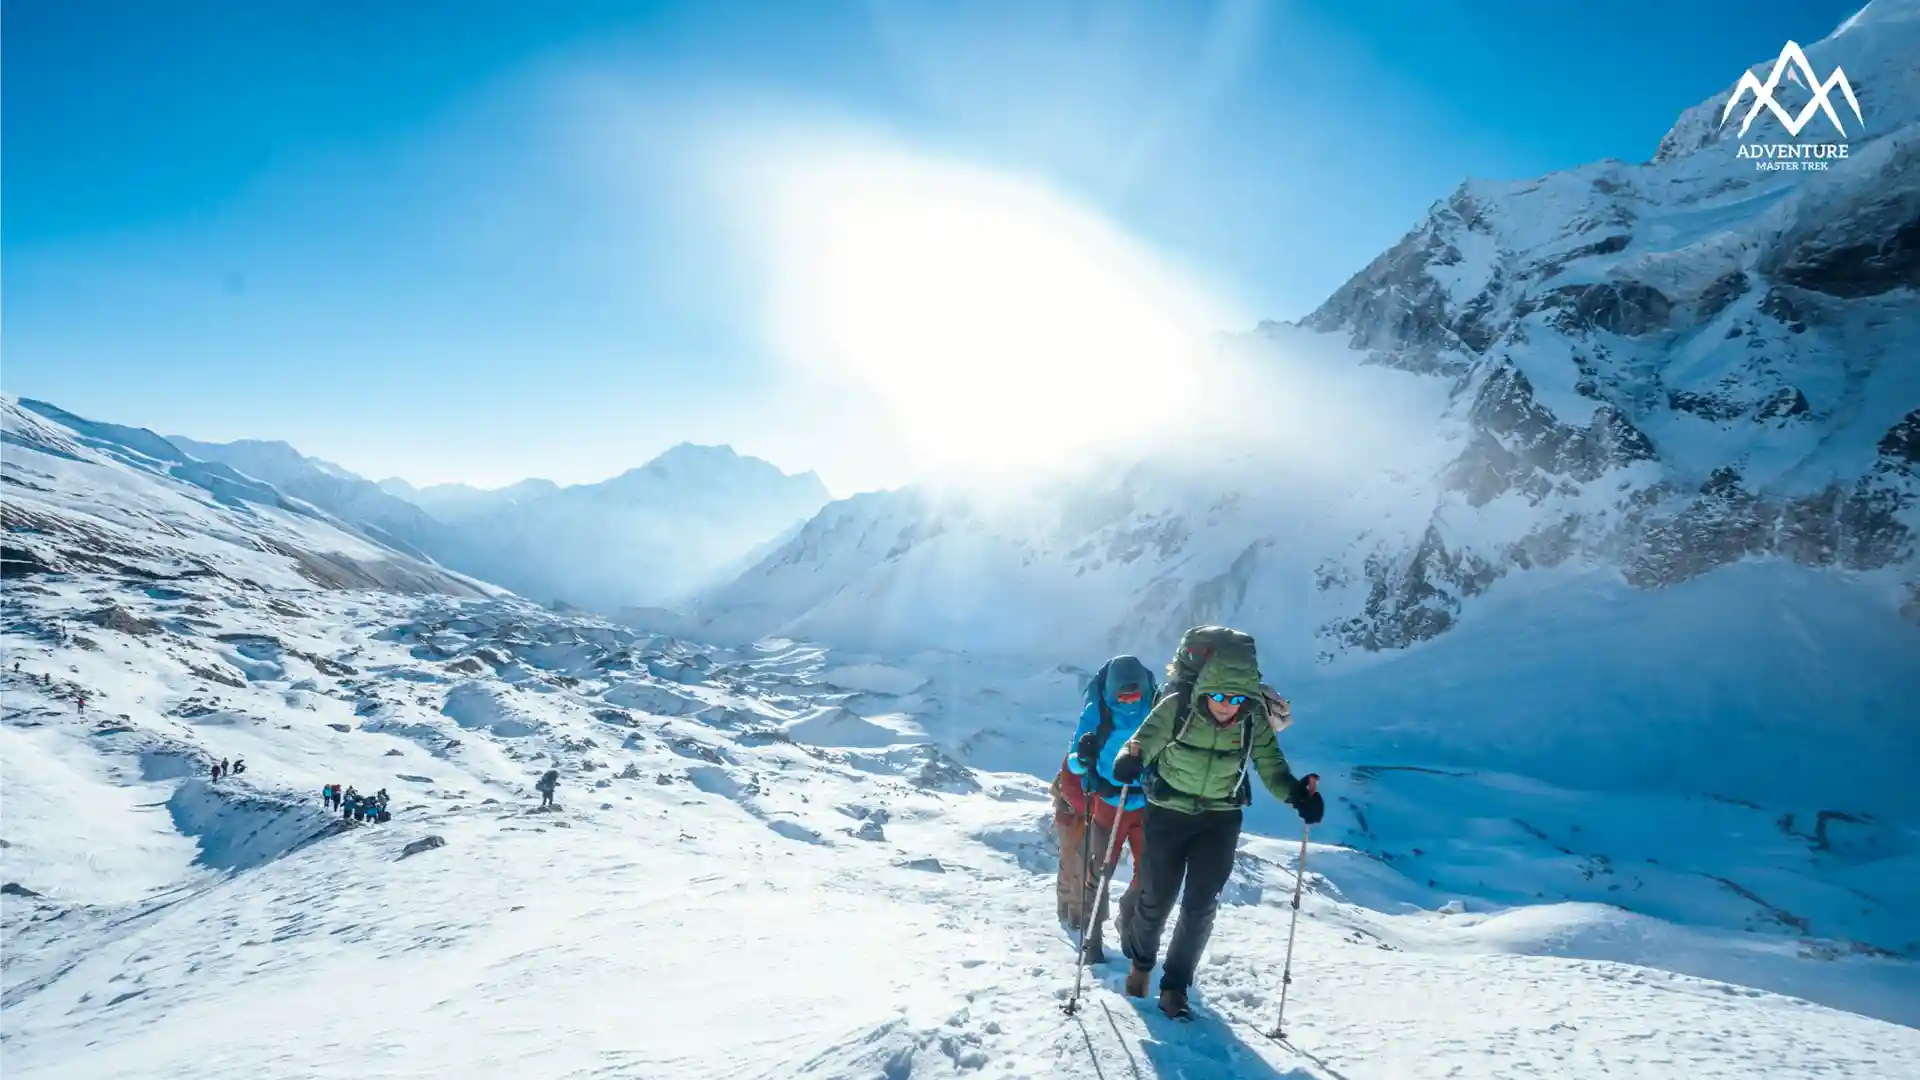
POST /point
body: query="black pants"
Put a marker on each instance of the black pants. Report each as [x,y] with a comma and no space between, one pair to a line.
[1196,848]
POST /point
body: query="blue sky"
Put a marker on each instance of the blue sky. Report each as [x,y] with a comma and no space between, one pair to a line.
[486,240]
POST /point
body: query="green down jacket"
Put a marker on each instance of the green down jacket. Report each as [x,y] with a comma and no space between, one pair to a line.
[1200,768]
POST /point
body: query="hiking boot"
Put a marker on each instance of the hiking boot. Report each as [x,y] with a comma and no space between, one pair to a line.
[1094,953]
[1137,981]
[1174,1003]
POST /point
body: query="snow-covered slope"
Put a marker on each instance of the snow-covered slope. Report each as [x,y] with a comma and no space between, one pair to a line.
[649,536]
[780,859]
[85,496]
[352,498]
[1655,369]
[784,861]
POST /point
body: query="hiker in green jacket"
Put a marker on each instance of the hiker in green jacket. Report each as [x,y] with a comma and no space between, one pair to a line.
[1200,739]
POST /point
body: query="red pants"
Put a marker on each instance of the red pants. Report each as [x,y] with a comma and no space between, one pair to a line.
[1133,834]
[1077,833]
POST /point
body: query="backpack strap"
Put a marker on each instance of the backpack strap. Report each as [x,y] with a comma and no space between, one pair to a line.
[1102,731]
[1243,790]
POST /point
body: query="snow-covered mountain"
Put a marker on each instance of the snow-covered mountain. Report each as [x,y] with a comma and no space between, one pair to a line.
[455,503]
[351,497]
[82,496]
[647,537]
[1645,371]
[650,536]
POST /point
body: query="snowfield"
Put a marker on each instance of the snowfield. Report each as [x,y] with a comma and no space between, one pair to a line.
[733,887]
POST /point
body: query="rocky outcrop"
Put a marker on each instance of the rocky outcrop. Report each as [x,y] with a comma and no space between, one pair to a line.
[1520,445]
[425,843]
[1397,311]
[115,617]
[1414,598]
[1864,243]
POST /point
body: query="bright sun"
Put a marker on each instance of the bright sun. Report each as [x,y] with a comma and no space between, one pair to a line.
[1001,325]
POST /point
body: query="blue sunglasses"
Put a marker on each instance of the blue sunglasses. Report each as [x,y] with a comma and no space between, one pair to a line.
[1227,699]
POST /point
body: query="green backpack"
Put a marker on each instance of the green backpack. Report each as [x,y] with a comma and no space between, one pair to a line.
[1197,646]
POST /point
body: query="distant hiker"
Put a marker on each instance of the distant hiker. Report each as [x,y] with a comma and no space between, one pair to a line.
[239,766]
[339,795]
[1215,718]
[549,780]
[224,767]
[81,701]
[1118,701]
[215,770]
[350,804]
[326,796]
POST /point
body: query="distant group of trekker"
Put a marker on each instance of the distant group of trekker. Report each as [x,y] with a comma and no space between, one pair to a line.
[1164,771]
[223,767]
[354,806]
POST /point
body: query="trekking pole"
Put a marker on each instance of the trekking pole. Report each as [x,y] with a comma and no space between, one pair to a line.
[1093,903]
[1299,879]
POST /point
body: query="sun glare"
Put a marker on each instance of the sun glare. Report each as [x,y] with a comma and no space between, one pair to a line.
[1002,325]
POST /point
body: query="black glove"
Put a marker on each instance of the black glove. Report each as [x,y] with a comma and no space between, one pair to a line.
[1307,801]
[1127,767]
[1088,751]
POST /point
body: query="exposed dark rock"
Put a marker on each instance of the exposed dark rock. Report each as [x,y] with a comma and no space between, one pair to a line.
[14,888]
[1548,545]
[115,617]
[1724,291]
[942,773]
[1873,266]
[1416,600]
[425,843]
[1855,527]
[1705,406]
[616,717]
[1786,402]
[1782,307]
[1864,243]
[1724,524]
[325,666]
[1609,246]
[1627,308]
[219,675]
[1900,446]
[16,561]
[694,748]
[1519,445]
[1395,310]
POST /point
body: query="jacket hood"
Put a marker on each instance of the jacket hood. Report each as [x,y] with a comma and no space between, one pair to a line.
[1124,671]
[1228,677]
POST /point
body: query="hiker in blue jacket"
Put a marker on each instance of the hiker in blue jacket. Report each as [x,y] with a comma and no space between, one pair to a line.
[1117,701]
